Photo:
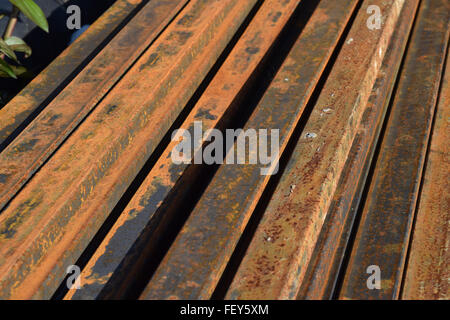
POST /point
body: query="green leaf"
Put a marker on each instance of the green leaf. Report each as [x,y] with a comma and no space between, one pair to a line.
[18,70]
[18,45]
[4,47]
[6,69]
[33,12]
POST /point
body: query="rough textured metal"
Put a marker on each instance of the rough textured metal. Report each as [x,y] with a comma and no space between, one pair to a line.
[45,228]
[383,233]
[211,109]
[323,270]
[41,138]
[278,255]
[428,272]
[195,262]
[91,179]
[49,81]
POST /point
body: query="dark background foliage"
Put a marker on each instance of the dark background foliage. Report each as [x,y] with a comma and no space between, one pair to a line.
[46,47]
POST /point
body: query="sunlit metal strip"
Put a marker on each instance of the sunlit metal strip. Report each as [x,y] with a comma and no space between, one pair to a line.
[24,156]
[212,109]
[195,262]
[384,230]
[277,258]
[428,270]
[48,83]
[49,223]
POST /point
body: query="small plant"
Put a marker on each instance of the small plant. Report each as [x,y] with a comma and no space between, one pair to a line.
[10,44]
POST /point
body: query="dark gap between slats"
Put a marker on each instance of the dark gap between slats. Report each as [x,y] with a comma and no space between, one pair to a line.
[136,183]
[405,269]
[357,201]
[72,76]
[156,240]
[91,111]
[247,236]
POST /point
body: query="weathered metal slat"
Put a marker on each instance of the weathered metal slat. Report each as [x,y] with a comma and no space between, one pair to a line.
[276,260]
[49,223]
[323,270]
[49,81]
[24,156]
[428,269]
[211,109]
[383,233]
[195,262]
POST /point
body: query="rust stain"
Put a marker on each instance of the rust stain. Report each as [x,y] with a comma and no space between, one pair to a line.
[207,240]
[47,82]
[210,109]
[94,145]
[324,267]
[293,222]
[383,233]
[79,198]
[428,273]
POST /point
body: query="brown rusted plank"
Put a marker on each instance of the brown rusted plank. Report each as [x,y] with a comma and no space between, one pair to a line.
[428,269]
[278,255]
[49,223]
[323,269]
[383,233]
[195,262]
[41,138]
[211,109]
[49,81]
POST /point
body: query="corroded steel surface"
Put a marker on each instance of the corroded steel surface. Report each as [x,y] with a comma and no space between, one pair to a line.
[210,110]
[323,270]
[383,233]
[428,273]
[41,138]
[87,174]
[195,262]
[48,82]
[276,260]
[45,228]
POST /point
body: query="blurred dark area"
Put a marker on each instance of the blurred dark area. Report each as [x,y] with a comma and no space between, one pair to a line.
[46,47]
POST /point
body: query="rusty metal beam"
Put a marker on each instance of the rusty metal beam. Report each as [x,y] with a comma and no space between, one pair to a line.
[25,155]
[48,82]
[383,233]
[195,262]
[49,223]
[211,109]
[428,270]
[323,270]
[277,258]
